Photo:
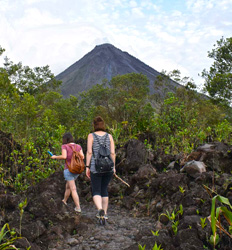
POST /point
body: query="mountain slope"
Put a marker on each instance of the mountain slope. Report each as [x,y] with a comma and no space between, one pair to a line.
[104,62]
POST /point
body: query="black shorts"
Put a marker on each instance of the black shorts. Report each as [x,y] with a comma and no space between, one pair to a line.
[99,183]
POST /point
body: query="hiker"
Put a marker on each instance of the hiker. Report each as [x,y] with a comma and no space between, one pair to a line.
[70,187]
[99,181]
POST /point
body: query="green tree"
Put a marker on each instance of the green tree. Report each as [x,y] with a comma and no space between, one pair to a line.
[8,97]
[31,81]
[185,120]
[121,100]
[124,99]
[187,82]
[134,84]
[129,95]
[5,84]
[218,80]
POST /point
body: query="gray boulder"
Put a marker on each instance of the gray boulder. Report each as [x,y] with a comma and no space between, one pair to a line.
[193,168]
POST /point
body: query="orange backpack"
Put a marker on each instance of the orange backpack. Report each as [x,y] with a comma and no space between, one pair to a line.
[77,165]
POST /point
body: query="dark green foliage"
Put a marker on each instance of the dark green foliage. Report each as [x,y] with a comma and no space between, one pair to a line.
[218,80]
[32,109]
[31,81]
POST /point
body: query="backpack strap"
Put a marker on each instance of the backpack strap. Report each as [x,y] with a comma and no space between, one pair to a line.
[95,136]
[104,142]
[105,138]
[67,154]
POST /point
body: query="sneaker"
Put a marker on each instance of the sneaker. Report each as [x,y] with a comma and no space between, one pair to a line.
[101,216]
[100,213]
[98,216]
[78,210]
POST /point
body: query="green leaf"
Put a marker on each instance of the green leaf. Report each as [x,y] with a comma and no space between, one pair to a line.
[142,247]
[227,214]
[214,240]
[224,200]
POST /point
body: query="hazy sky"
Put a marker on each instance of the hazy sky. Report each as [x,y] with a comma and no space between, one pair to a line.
[165,34]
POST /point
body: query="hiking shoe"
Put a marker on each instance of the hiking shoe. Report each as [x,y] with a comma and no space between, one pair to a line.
[100,213]
[78,210]
[101,216]
[106,217]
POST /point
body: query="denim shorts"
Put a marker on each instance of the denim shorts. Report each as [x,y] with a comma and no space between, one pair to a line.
[69,176]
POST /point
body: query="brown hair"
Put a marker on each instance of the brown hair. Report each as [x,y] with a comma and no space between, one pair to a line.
[67,138]
[99,124]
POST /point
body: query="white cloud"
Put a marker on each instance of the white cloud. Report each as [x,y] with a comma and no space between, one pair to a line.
[58,33]
[29,2]
[227,23]
[224,3]
[177,13]
[133,4]
[5,5]
[34,17]
[198,4]
[137,12]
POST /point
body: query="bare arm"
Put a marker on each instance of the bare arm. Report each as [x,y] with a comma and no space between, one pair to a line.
[89,149]
[112,151]
[89,154]
[63,156]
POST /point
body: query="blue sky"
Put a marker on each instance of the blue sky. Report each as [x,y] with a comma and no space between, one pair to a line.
[164,34]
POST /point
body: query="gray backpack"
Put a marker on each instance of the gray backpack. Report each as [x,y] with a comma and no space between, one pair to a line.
[103,160]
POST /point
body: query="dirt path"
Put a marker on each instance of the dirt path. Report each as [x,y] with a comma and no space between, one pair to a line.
[121,231]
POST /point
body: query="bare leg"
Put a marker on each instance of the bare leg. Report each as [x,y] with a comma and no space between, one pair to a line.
[75,196]
[97,199]
[66,193]
[105,201]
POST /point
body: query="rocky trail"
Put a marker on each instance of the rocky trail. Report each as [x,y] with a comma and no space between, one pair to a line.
[121,231]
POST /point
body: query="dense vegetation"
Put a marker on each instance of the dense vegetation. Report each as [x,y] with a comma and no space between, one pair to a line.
[35,113]
[218,80]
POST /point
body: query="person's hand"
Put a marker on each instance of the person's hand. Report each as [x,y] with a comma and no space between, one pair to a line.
[53,157]
[114,170]
[88,173]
